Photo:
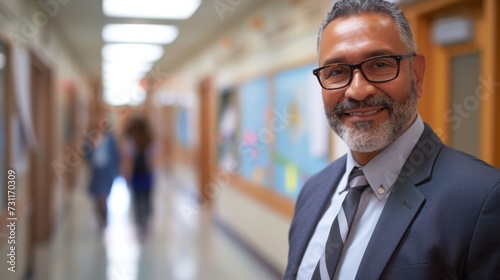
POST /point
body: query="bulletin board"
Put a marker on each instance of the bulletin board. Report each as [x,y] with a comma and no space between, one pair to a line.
[282,136]
[182,126]
[301,147]
[253,146]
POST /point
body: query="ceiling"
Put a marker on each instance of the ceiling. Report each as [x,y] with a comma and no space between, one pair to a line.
[80,23]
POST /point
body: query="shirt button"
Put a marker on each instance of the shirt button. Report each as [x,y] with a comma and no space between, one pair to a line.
[381,190]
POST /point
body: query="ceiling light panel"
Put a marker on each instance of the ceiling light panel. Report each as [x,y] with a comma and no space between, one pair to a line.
[158,9]
[139,33]
[131,52]
[126,67]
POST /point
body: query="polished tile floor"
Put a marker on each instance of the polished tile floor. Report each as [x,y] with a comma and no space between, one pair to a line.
[174,248]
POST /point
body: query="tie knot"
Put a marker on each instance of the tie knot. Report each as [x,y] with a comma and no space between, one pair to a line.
[357,180]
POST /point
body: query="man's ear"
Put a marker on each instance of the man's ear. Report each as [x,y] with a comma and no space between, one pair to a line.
[418,73]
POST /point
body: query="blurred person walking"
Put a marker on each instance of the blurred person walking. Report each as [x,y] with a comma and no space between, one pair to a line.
[139,145]
[104,161]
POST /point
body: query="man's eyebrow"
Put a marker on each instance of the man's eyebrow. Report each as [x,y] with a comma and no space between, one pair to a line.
[334,60]
[343,59]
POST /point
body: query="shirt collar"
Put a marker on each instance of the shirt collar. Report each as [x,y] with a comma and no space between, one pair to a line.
[382,171]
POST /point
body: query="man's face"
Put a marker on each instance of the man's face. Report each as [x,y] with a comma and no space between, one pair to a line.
[369,116]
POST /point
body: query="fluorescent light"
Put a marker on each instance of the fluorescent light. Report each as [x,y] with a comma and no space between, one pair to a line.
[123,67]
[121,78]
[139,33]
[126,67]
[131,52]
[159,9]
[131,96]
[124,93]
[115,98]
[123,81]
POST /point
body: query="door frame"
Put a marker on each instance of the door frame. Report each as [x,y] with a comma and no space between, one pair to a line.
[41,173]
[434,104]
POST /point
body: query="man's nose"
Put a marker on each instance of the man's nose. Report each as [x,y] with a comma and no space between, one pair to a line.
[359,88]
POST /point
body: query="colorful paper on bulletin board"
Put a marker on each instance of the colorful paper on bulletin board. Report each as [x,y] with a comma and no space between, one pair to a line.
[304,141]
[253,148]
[291,177]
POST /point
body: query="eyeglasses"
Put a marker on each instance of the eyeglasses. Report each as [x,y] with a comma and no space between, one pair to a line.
[378,69]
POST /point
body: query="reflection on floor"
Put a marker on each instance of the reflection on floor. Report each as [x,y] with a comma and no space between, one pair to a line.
[174,248]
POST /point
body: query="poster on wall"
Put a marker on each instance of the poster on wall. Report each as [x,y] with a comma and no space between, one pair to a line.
[182,127]
[227,124]
[253,147]
[301,148]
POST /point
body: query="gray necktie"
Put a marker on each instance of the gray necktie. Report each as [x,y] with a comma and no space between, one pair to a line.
[327,265]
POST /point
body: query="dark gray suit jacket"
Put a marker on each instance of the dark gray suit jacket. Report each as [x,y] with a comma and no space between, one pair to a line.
[441,220]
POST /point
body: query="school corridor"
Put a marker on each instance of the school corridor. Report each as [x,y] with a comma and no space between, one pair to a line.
[179,245]
[160,139]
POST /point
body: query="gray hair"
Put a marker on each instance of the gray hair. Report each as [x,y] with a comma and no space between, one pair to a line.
[347,8]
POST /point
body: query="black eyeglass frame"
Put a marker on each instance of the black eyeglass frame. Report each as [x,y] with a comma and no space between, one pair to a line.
[353,67]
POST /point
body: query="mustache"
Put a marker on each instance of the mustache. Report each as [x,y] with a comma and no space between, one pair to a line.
[373,101]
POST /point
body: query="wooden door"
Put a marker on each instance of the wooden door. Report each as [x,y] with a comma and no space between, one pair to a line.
[41,174]
[459,39]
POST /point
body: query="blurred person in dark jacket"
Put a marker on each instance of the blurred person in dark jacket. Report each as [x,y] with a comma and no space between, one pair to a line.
[139,151]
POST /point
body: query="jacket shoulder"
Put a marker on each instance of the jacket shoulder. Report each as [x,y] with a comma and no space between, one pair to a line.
[322,179]
[464,165]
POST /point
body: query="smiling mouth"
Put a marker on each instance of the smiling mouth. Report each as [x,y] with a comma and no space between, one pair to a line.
[363,113]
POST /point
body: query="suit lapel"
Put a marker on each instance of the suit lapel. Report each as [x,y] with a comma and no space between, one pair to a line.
[402,206]
[313,208]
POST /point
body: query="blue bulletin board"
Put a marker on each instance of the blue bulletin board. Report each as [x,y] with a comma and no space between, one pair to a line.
[253,146]
[182,126]
[301,148]
[283,135]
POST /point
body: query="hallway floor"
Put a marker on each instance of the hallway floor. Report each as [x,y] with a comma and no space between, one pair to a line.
[175,247]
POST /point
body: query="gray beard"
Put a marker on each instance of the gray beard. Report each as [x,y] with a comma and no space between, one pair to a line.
[365,136]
